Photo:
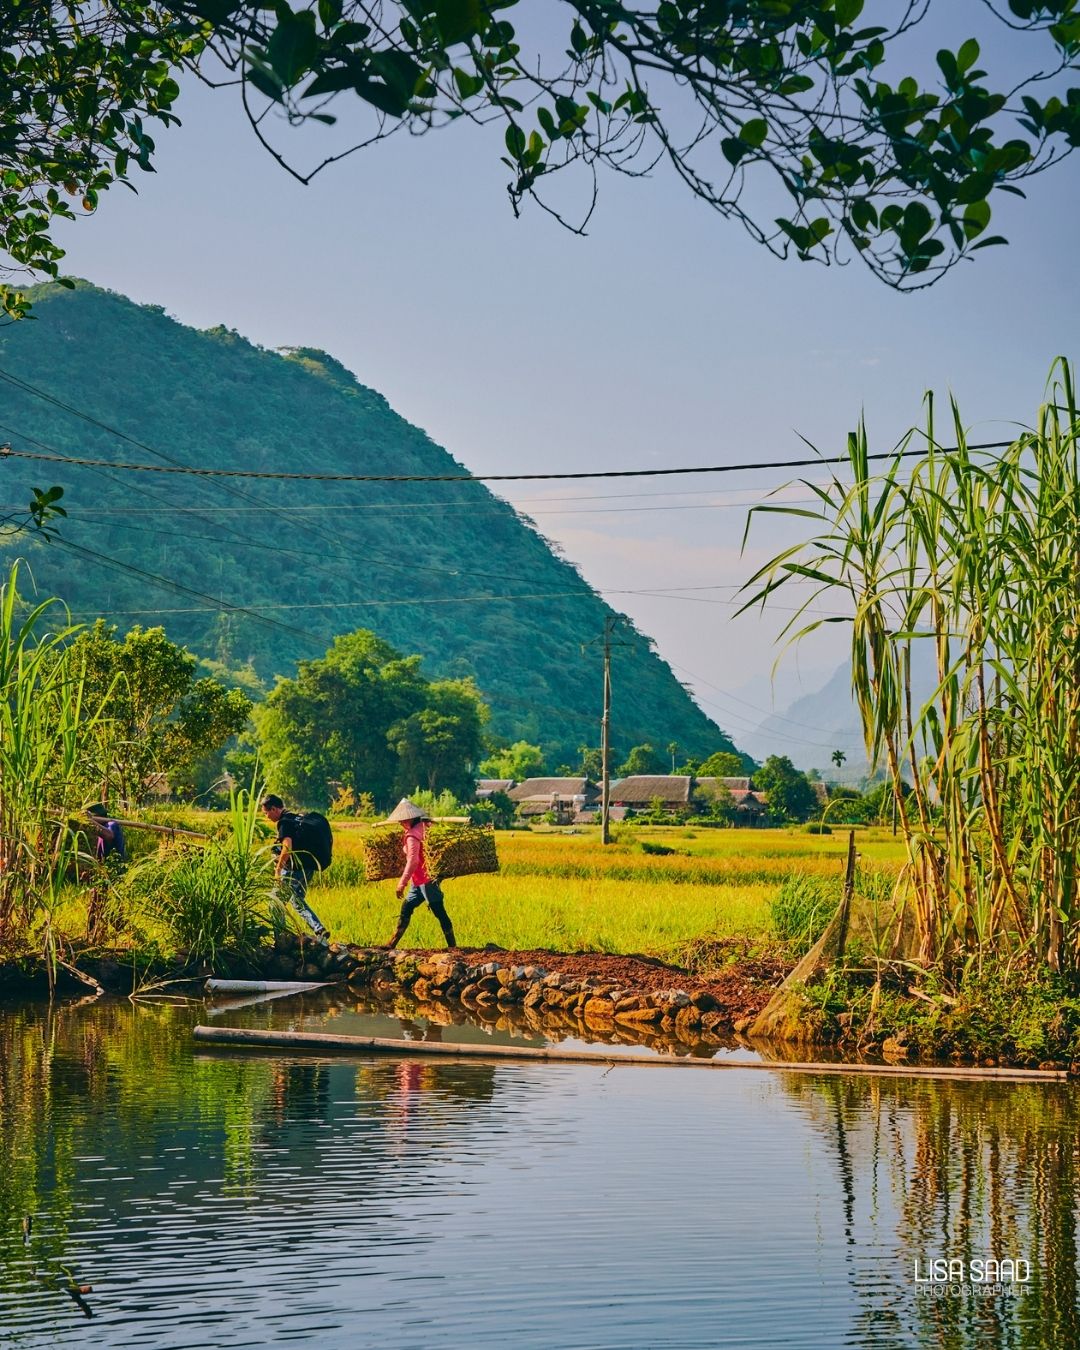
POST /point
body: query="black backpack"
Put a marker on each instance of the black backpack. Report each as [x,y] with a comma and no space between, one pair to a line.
[315,838]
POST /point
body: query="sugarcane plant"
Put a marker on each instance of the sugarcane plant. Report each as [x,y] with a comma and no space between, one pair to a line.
[47,748]
[974,553]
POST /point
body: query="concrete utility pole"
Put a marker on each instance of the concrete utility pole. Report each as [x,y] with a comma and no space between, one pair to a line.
[605,730]
[605,743]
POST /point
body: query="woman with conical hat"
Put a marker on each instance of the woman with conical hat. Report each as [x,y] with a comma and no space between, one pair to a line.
[421,886]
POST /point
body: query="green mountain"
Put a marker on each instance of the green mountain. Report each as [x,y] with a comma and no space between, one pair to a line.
[262,573]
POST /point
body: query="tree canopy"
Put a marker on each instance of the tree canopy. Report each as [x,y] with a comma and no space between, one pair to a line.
[518,761]
[787,791]
[722,764]
[364,716]
[642,759]
[801,93]
[158,718]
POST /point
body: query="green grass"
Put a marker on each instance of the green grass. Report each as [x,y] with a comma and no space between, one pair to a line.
[566,891]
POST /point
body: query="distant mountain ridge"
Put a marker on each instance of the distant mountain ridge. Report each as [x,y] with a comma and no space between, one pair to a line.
[816,724]
[444,569]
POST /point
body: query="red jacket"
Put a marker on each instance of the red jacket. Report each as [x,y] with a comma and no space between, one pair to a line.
[415,860]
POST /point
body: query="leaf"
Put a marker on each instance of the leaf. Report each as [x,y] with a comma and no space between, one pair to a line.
[976,218]
[967,55]
[264,80]
[330,82]
[515,140]
[293,46]
[847,11]
[754,132]
[458,19]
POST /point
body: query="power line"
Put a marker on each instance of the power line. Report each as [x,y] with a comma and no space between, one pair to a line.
[448,600]
[6,451]
[396,507]
[209,601]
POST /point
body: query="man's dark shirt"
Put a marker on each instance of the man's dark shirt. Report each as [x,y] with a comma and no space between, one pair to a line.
[289,827]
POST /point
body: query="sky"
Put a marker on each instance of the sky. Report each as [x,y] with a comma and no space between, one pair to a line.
[664,337]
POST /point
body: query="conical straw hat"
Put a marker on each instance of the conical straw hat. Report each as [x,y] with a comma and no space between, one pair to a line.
[405,810]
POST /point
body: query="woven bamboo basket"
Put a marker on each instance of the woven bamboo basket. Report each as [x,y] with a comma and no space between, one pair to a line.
[460,850]
[451,851]
[384,854]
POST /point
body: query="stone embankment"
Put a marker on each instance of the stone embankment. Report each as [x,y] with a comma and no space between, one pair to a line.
[593,990]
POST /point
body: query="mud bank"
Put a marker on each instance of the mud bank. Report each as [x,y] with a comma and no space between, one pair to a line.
[638,995]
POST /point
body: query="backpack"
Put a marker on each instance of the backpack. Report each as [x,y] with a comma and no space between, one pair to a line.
[315,838]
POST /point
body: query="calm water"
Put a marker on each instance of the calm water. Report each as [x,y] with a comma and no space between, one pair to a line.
[214,1200]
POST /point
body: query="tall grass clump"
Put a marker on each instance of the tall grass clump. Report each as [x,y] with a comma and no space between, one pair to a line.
[212,898]
[974,555]
[47,764]
[801,908]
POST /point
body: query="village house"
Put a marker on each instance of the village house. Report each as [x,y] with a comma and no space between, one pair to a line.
[751,807]
[640,790]
[568,799]
[485,787]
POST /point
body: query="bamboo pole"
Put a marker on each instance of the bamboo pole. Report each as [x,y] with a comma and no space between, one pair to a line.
[325,1042]
[214,986]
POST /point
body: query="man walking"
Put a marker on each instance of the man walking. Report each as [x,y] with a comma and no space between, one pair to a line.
[295,866]
[421,886]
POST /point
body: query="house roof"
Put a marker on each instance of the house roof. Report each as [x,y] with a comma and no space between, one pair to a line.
[646,787]
[732,784]
[552,787]
[494,784]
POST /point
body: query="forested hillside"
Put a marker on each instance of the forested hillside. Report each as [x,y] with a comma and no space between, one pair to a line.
[261,573]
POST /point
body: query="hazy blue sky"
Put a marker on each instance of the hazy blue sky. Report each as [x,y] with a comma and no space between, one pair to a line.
[664,337]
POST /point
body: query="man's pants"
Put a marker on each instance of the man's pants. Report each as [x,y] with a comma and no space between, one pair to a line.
[430,891]
[297,897]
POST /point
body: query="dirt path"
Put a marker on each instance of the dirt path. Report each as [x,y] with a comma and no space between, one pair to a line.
[741,985]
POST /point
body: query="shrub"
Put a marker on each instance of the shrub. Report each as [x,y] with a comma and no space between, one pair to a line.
[214,898]
[801,909]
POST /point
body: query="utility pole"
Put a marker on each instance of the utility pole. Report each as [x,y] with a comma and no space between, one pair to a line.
[605,742]
[605,729]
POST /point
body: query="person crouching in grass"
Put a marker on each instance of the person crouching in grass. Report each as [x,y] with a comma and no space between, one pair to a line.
[415,878]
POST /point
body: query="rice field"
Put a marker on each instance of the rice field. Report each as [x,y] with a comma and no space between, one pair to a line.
[565,890]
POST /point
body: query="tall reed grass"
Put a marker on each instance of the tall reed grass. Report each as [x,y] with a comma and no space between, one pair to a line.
[976,556]
[47,763]
[214,897]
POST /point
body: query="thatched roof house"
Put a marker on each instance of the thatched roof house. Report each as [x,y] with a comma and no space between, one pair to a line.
[554,787]
[736,786]
[486,786]
[640,789]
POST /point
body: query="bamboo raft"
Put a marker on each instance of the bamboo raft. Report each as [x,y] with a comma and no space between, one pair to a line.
[329,1043]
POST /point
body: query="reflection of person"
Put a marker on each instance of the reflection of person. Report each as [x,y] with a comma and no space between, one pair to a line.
[293,866]
[422,887]
[412,1031]
[110,836]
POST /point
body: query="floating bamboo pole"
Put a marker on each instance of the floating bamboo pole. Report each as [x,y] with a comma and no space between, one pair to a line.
[214,986]
[326,1042]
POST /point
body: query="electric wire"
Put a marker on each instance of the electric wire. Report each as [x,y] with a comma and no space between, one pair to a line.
[7,451]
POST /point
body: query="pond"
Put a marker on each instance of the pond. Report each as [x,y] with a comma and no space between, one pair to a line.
[221,1199]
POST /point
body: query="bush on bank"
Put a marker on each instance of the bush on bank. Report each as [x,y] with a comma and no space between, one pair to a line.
[1024,1016]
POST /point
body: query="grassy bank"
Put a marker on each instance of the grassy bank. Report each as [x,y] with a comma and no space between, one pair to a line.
[655,890]
[569,892]
[994,1015]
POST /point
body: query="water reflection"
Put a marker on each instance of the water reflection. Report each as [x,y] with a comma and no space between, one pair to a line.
[242,1200]
[983,1176]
